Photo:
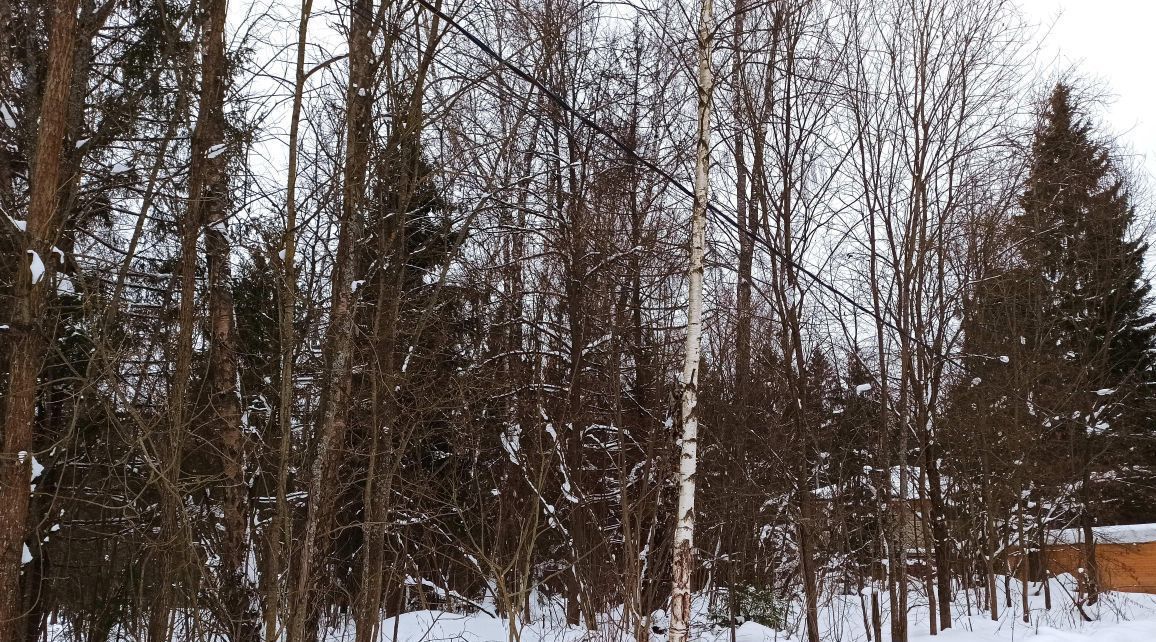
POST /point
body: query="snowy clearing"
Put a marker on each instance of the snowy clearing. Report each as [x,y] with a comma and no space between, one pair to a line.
[1120,617]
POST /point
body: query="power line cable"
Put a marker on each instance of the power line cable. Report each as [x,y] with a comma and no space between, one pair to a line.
[711,208]
[725,217]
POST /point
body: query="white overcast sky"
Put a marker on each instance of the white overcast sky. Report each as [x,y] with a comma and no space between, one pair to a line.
[1110,41]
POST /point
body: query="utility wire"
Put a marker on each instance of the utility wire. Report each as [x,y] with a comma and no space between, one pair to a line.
[725,217]
[678,185]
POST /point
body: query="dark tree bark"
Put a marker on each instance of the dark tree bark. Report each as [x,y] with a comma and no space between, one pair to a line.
[332,421]
[30,326]
[209,203]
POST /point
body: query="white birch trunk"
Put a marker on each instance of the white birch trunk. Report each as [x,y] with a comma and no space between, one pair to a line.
[683,566]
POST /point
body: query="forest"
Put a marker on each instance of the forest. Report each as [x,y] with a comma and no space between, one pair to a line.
[313,314]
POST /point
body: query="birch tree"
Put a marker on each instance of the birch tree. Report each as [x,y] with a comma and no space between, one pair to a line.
[683,564]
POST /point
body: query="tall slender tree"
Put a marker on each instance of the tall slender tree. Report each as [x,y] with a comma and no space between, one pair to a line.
[683,567]
[30,325]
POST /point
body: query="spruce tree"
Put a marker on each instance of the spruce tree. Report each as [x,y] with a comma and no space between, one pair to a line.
[1059,343]
[1087,305]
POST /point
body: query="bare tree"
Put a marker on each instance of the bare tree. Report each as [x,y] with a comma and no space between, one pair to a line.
[332,423]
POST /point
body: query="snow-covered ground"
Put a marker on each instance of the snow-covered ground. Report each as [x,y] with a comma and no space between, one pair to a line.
[1118,617]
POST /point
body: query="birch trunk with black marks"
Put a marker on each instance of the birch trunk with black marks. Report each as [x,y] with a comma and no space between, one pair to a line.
[683,566]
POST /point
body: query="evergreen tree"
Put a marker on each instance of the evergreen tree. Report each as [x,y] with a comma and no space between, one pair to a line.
[1084,306]
[1057,397]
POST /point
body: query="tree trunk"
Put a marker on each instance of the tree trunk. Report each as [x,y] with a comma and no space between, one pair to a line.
[989,541]
[746,226]
[280,537]
[928,580]
[173,539]
[1090,577]
[209,202]
[806,556]
[1023,562]
[683,565]
[939,536]
[29,327]
[334,396]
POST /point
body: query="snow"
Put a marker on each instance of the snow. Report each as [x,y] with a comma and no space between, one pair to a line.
[833,491]
[120,168]
[64,286]
[1129,534]
[862,388]
[25,555]
[20,225]
[6,114]
[215,151]
[511,440]
[1003,358]
[1103,392]
[1116,632]
[1118,617]
[37,267]
[913,482]
[423,626]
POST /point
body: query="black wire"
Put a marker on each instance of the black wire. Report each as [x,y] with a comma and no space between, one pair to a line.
[726,217]
[677,184]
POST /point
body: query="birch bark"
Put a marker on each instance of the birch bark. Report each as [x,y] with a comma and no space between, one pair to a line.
[688,460]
